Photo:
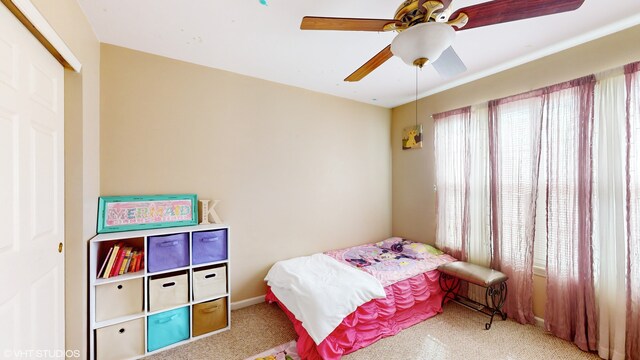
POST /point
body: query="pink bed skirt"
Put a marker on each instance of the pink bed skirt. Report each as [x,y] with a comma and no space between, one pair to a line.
[408,302]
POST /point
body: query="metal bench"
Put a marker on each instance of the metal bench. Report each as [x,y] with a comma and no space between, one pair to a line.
[495,283]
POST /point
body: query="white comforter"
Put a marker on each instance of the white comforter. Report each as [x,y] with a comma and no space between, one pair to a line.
[321,292]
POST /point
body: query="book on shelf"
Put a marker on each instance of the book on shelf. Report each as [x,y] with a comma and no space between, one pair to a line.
[132,261]
[136,260]
[140,263]
[112,259]
[125,264]
[125,260]
[116,265]
[121,259]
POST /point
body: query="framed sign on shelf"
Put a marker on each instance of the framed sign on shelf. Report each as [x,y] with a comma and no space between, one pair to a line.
[123,213]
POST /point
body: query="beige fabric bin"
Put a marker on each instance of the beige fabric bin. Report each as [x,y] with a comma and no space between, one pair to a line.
[209,316]
[118,299]
[167,292]
[209,283]
[120,341]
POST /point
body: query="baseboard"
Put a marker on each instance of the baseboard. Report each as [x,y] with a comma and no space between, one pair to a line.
[539,321]
[247,302]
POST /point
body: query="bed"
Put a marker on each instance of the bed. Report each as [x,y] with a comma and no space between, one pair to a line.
[366,293]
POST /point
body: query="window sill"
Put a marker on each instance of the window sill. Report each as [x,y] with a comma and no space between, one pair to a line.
[539,271]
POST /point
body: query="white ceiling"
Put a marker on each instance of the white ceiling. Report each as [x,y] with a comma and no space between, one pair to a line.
[266,42]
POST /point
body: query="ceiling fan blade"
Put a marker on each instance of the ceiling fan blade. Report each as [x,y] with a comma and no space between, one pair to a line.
[449,64]
[371,65]
[445,3]
[501,11]
[346,24]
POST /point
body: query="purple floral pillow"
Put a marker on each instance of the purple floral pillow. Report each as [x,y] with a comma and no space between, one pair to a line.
[408,247]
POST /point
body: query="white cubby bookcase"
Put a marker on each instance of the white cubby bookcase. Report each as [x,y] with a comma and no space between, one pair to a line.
[182,292]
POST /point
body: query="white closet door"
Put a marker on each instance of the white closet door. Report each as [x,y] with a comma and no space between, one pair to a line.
[31,196]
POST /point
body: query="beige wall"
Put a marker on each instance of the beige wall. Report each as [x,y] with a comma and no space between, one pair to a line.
[297,172]
[413,175]
[82,177]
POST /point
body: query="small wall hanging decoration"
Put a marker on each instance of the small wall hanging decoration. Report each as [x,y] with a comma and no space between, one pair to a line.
[412,137]
[123,213]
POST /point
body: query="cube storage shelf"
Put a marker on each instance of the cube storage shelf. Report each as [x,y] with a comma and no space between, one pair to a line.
[182,292]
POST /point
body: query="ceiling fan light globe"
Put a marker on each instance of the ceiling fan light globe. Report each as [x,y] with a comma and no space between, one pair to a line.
[426,40]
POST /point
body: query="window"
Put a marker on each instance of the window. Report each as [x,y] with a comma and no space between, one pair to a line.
[565,164]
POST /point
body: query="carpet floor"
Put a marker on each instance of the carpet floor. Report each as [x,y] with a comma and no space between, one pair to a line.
[457,333]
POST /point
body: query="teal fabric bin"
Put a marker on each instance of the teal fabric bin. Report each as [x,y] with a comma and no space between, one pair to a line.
[167,328]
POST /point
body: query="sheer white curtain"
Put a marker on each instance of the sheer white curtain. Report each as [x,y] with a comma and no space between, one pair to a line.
[515,125]
[609,225]
[570,311]
[479,239]
[632,77]
[462,179]
[451,147]
[488,162]
[479,226]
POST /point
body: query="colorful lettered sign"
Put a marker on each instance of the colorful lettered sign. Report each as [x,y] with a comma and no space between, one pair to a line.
[122,213]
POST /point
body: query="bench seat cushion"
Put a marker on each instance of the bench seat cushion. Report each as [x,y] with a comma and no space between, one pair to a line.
[473,273]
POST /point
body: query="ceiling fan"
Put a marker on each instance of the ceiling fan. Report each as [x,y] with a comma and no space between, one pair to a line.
[426,29]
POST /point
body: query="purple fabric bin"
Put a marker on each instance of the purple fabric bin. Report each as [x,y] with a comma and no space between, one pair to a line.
[167,252]
[209,246]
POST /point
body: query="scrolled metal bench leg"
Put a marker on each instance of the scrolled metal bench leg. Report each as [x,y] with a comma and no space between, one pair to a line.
[449,284]
[498,295]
